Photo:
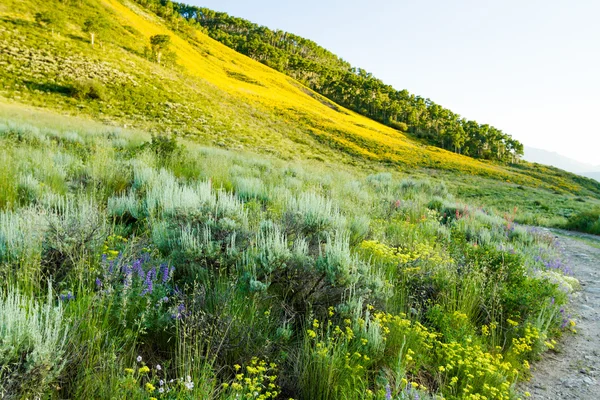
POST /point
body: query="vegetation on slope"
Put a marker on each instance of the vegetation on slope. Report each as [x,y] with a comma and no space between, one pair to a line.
[348,86]
[207,91]
[183,272]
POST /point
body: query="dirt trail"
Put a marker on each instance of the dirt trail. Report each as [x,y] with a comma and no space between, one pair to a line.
[574,372]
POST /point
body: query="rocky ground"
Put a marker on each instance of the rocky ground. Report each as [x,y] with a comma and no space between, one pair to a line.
[573,372]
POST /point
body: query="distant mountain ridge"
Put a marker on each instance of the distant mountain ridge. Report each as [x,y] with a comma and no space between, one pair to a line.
[557,160]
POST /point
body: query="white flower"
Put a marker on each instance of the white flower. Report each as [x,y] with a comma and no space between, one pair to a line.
[139,358]
[161,390]
[188,378]
[161,382]
[189,385]
[158,367]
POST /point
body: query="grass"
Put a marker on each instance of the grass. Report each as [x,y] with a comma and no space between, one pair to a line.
[205,98]
[210,229]
[228,273]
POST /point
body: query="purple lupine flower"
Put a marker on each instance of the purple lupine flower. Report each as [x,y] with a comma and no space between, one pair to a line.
[98,283]
[164,268]
[67,297]
[148,288]
[137,267]
[180,311]
[388,392]
[128,272]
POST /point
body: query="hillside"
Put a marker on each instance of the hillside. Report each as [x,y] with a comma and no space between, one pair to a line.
[213,94]
[179,221]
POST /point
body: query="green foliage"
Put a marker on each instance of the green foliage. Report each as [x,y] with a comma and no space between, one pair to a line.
[33,337]
[585,221]
[199,260]
[88,89]
[348,86]
[50,19]
[159,45]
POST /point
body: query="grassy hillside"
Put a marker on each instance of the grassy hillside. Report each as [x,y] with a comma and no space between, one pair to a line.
[140,261]
[213,94]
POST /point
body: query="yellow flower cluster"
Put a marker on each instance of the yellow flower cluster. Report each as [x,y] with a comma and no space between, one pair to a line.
[473,373]
[258,382]
[382,253]
[524,344]
[111,244]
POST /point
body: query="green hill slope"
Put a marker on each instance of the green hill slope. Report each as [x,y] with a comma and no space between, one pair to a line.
[217,96]
[139,261]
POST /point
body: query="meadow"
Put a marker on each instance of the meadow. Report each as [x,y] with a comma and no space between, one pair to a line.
[138,266]
[210,228]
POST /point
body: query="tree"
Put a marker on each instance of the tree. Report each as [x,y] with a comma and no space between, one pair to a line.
[48,19]
[159,44]
[93,26]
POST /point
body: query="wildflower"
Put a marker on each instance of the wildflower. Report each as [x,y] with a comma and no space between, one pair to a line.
[164,268]
[98,283]
[312,334]
[129,370]
[144,370]
[527,394]
[161,382]
[189,385]
[67,297]
[150,387]
[388,392]
[158,367]
[161,390]
[139,359]
[237,367]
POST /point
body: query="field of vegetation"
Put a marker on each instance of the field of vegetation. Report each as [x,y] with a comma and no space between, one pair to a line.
[207,92]
[178,221]
[139,267]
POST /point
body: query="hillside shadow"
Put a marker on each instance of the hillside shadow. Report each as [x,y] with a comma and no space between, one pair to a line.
[49,87]
[78,38]
[19,22]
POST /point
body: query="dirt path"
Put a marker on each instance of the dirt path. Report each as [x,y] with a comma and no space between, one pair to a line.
[574,372]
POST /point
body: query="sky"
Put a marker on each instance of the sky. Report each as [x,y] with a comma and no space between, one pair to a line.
[530,68]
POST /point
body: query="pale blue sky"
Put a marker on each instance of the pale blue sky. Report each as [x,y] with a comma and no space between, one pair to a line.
[528,67]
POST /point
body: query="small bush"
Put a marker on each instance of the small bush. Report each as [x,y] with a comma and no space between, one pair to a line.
[586,221]
[32,344]
[88,89]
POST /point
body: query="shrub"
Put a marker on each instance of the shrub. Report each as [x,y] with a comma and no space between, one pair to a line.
[585,221]
[88,89]
[76,231]
[33,336]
